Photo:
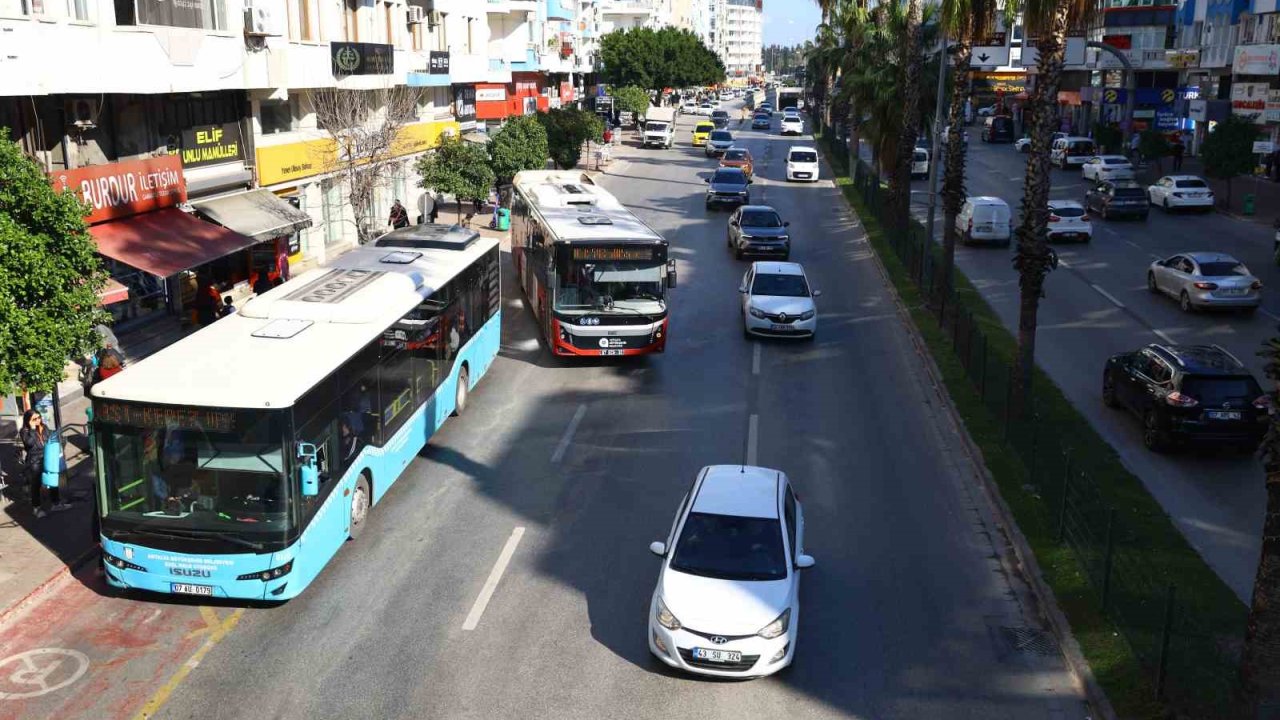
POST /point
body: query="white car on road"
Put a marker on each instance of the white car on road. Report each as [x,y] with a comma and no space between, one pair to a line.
[1107,167]
[1181,191]
[1068,220]
[689,108]
[802,164]
[792,125]
[777,301]
[727,602]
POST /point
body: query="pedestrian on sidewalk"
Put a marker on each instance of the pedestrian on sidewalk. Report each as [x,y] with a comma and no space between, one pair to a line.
[262,285]
[227,307]
[35,437]
[399,217]
[1134,140]
[109,366]
[1178,150]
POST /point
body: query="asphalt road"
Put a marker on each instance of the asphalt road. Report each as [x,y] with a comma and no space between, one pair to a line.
[909,613]
[1097,304]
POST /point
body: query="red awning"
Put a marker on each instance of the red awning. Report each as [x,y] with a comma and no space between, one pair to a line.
[166,242]
[112,292]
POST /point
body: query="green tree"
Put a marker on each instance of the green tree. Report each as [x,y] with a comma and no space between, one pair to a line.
[632,99]
[50,276]
[658,59]
[521,144]
[458,168]
[567,129]
[1259,672]
[1228,150]
[1108,137]
[1153,145]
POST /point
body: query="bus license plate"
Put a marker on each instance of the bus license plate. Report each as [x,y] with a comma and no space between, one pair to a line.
[186,589]
[615,351]
[1224,414]
[720,656]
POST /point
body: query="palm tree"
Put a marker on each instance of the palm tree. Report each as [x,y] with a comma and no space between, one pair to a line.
[1049,21]
[964,21]
[1259,672]
[909,130]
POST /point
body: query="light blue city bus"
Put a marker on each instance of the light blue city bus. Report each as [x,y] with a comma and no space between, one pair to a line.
[236,462]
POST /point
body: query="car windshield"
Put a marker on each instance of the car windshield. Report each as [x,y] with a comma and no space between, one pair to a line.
[1067,212]
[1130,192]
[735,155]
[780,285]
[704,128]
[634,285]
[193,469]
[804,157]
[1080,148]
[1222,269]
[1191,184]
[920,156]
[728,547]
[655,126]
[1217,390]
[720,114]
[721,135]
[761,219]
[729,177]
[1115,161]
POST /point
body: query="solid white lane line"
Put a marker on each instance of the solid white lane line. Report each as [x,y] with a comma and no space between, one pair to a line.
[486,592]
[1133,244]
[1269,314]
[1107,295]
[753,425]
[558,455]
[1164,336]
[755,359]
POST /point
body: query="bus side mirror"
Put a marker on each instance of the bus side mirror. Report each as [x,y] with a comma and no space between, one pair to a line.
[307,470]
[671,273]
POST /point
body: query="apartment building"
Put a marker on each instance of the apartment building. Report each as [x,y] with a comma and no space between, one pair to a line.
[735,32]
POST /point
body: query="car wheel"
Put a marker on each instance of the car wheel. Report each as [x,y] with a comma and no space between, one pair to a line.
[1184,302]
[1109,391]
[360,501]
[1166,204]
[737,253]
[462,392]
[1105,215]
[786,257]
[1143,217]
[1151,283]
[1249,311]
[1152,438]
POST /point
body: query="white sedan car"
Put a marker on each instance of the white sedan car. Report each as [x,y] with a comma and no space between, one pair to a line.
[689,108]
[727,602]
[1181,191]
[1107,167]
[792,125]
[777,301]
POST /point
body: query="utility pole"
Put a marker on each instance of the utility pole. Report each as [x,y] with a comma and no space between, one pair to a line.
[937,140]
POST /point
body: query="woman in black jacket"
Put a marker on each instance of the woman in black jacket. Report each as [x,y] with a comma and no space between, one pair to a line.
[34,436]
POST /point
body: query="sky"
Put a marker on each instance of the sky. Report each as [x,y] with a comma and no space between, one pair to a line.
[787,22]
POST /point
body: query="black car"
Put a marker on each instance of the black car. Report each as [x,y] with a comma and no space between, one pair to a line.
[1196,393]
[728,186]
[720,115]
[1111,198]
[720,123]
[998,129]
[758,230]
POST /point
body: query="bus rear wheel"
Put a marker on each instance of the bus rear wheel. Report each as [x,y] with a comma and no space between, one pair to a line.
[460,395]
[360,500]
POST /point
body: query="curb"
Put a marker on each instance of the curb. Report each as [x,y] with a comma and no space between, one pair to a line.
[46,587]
[1030,569]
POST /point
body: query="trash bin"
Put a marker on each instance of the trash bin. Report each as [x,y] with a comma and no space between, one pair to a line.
[1248,203]
[504,219]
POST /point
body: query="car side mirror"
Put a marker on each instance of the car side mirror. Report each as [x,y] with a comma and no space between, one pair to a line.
[786,224]
[742,289]
[671,273]
[816,293]
[751,182]
[706,180]
[803,562]
[658,548]
[308,472]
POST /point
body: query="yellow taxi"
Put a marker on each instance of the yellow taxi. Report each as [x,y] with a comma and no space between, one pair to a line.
[701,132]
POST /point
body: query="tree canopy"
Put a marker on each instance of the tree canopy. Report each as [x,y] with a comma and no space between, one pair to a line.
[521,144]
[657,59]
[50,275]
[1228,150]
[632,99]
[458,168]
[567,129]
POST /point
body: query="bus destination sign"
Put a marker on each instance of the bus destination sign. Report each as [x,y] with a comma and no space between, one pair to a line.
[628,252]
[161,417]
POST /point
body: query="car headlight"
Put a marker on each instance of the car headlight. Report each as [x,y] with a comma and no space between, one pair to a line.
[777,627]
[665,617]
[806,315]
[756,313]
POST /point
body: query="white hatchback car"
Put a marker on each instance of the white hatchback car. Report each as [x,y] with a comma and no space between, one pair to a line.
[777,301]
[1181,191]
[727,602]
[802,164]
[1068,220]
[792,125]
[1107,167]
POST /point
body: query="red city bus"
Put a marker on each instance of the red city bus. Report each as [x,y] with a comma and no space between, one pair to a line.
[595,276]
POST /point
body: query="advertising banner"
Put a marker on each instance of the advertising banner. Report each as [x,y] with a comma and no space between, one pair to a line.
[211,144]
[355,58]
[1256,60]
[438,63]
[464,106]
[1249,100]
[117,190]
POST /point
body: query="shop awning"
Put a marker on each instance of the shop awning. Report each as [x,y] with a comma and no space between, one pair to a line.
[258,214]
[112,292]
[166,242]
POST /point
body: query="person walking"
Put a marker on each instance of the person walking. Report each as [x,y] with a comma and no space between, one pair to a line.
[34,437]
[399,217]
[227,307]
[262,284]
[1134,141]
[1178,150]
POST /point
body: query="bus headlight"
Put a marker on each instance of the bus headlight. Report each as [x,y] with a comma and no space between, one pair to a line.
[267,575]
[121,563]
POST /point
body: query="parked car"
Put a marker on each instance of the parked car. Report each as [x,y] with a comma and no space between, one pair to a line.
[778,301]
[761,121]
[1068,220]
[1187,393]
[758,230]
[727,599]
[1120,197]
[988,110]
[738,157]
[1071,151]
[1023,144]
[946,136]
[1107,167]
[919,163]
[728,186]
[985,219]
[718,142]
[802,163]
[792,125]
[997,129]
[1181,191]
[702,131]
[1203,280]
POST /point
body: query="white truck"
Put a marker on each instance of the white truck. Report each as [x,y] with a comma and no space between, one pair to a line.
[659,126]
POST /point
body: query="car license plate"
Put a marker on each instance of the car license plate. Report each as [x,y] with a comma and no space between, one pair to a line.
[615,351]
[804,176]
[720,656]
[186,589]
[1230,291]
[1224,414]
[776,326]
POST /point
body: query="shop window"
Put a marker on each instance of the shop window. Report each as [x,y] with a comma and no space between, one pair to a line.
[199,15]
[277,116]
[78,10]
[332,190]
[19,8]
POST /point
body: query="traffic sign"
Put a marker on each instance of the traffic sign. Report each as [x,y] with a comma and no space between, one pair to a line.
[1073,56]
[989,56]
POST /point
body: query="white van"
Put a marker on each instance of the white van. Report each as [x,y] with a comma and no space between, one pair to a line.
[1071,151]
[919,164]
[985,219]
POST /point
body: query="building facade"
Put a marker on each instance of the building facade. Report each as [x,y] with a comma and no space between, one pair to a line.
[735,33]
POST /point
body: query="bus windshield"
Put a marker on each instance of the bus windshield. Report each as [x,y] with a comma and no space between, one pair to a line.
[618,279]
[194,472]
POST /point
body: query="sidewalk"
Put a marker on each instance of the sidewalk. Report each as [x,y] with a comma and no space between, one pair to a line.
[1266,193]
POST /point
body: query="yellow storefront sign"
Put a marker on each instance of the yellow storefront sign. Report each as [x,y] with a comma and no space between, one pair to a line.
[294,161]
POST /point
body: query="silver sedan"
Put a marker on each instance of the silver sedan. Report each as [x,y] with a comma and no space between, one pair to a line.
[1201,280]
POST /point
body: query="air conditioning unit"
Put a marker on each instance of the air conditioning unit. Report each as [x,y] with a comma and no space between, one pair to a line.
[260,19]
[415,15]
[434,18]
[82,113]
[531,16]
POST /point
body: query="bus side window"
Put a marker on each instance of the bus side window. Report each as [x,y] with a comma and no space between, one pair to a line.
[321,431]
[360,406]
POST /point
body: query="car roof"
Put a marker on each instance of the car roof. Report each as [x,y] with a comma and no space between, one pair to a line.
[1074,138]
[738,490]
[801,148]
[1201,359]
[703,124]
[1065,204]
[1114,157]
[987,200]
[758,208]
[730,169]
[769,267]
[1208,257]
[1176,178]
